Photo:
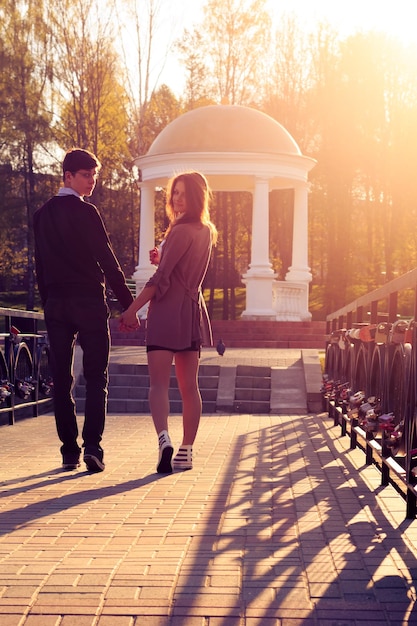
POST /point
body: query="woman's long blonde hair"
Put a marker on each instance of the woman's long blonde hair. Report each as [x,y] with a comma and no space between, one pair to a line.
[198,196]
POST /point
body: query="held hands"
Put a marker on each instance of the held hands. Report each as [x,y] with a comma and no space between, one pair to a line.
[128,321]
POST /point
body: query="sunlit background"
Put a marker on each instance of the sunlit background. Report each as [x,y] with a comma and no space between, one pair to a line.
[110,75]
[388,16]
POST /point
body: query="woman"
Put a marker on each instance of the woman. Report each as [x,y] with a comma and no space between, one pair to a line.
[177,321]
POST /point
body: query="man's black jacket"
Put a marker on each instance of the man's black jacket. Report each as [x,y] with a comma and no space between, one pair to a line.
[73,252]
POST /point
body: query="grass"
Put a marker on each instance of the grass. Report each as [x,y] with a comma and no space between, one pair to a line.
[17,300]
[217,313]
[322,358]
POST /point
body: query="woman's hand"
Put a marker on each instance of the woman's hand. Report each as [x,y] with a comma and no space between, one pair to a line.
[128,320]
[154,256]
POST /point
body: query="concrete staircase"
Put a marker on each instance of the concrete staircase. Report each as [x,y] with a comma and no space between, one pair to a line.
[293,387]
[129,385]
[252,390]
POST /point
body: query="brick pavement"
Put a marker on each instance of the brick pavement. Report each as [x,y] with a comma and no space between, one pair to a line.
[278,524]
[233,356]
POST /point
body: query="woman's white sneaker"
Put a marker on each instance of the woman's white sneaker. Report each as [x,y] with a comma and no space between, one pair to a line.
[165,453]
[183,460]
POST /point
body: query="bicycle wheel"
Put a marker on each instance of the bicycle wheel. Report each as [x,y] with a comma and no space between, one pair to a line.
[336,362]
[331,366]
[376,375]
[4,370]
[23,373]
[43,373]
[348,364]
[360,379]
[398,387]
[411,423]
[5,386]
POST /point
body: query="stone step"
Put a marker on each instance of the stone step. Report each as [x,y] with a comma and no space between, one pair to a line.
[131,406]
[260,382]
[129,386]
[253,370]
[251,393]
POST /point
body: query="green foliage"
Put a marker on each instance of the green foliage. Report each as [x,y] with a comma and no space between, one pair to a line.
[316,299]
[161,109]
[216,311]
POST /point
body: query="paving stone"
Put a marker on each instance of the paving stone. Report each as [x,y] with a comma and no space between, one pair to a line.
[46,620]
[10,620]
[84,620]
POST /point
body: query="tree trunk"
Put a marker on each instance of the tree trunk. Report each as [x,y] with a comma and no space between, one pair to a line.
[226,260]
[30,209]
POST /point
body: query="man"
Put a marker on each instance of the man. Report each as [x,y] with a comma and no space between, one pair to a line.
[73,258]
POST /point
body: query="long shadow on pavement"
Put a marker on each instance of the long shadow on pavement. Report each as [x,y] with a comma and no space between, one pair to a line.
[308,537]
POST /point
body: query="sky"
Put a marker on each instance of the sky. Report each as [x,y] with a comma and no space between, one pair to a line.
[394,17]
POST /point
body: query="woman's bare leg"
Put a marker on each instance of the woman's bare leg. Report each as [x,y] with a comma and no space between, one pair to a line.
[186,369]
[159,366]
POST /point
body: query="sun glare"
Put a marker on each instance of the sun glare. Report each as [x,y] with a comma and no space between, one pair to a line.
[395,18]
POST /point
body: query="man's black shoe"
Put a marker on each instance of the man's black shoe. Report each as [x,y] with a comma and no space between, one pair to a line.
[94,460]
[70,461]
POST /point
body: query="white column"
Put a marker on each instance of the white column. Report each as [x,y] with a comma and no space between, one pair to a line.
[260,276]
[260,263]
[299,270]
[144,269]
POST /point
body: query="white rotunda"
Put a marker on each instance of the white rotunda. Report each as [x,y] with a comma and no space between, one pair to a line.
[238,149]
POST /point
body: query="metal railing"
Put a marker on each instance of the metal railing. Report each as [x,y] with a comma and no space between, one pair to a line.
[370,386]
[25,379]
[368,307]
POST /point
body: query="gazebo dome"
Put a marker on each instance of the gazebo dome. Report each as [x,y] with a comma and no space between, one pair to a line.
[224,128]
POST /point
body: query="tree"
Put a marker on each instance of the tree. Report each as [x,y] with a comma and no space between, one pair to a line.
[233,42]
[289,79]
[197,91]
[26,54]
[149,108]
[94,114]
[225,62]
[93,102]
[139,37]
[161,109]
[360,99]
